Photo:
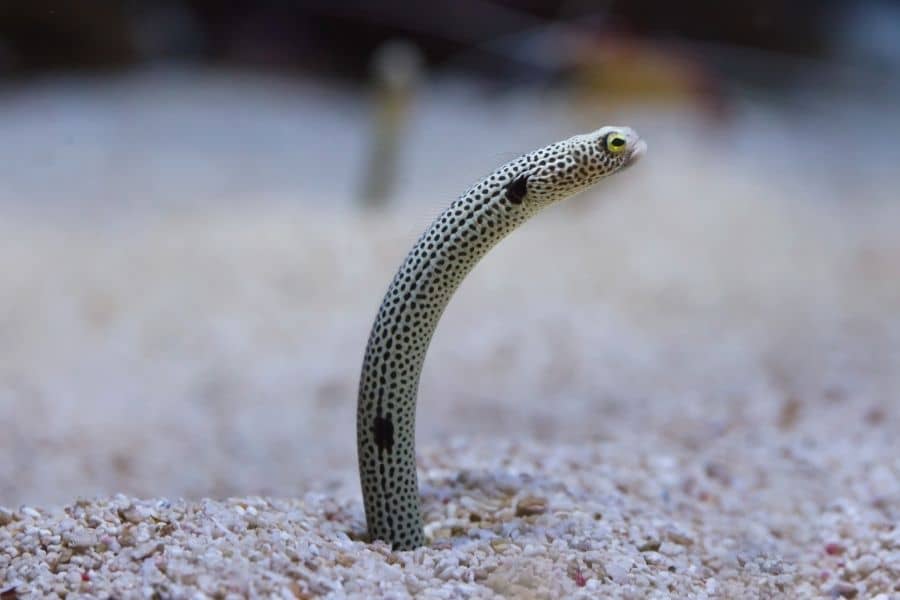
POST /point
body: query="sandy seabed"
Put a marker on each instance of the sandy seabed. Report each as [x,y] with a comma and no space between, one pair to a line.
[505,520]
[683,384]
[701,427]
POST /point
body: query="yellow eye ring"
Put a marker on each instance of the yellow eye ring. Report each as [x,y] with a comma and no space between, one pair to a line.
[616,143]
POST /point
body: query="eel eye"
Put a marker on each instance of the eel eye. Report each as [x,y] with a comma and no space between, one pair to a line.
[615,143]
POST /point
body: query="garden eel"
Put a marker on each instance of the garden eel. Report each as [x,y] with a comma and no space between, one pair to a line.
[418,294]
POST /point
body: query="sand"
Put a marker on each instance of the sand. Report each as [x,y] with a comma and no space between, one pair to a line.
[616,447]
[505,521]
[682,385]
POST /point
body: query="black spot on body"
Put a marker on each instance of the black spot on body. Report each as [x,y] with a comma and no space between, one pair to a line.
[383,431]
[516,189]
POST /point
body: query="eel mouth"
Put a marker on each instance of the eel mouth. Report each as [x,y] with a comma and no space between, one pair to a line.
[640,148]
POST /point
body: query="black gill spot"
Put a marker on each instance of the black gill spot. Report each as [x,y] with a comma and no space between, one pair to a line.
[383,430]
[516,189]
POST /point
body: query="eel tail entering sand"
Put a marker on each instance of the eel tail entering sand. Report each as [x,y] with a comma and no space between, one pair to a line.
[416,298]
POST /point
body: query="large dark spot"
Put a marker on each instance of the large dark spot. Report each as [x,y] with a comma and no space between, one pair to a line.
[383,430]
[516,189]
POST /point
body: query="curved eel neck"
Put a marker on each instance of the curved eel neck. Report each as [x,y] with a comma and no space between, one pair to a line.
[408,316]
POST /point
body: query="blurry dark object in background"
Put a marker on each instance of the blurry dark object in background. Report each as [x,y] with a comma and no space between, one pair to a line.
[396,73]
[800,27]
[620,69]
[50,35]
[334,36]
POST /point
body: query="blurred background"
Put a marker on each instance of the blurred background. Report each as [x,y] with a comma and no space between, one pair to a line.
[203,202]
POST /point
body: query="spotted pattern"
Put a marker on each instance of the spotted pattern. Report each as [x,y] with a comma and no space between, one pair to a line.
[417,296]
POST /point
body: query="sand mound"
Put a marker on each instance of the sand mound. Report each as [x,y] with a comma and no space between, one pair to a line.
[507,520]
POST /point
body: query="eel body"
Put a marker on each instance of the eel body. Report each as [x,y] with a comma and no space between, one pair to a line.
[420,291]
